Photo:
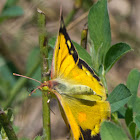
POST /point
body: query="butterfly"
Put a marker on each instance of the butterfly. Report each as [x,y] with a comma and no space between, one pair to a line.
[79,91]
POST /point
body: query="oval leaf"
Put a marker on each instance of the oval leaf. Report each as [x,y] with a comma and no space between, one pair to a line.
[132,85]
[114,53]
[13,11]
[110,131]
[119,97]
[132,129]
[99,31]
[136,109]
[137,121]
[128,116]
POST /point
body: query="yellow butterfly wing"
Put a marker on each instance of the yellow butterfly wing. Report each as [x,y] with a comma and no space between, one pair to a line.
[83,111]
[84,116]
[68,66]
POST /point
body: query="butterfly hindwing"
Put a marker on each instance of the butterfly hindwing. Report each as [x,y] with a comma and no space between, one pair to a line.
[84,116]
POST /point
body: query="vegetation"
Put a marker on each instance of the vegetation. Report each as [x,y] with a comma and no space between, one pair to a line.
[123,99]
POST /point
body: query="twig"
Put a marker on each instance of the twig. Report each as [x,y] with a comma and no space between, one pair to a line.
[84,37]
[70,16]
[75,22]
[44,69]
[7,126]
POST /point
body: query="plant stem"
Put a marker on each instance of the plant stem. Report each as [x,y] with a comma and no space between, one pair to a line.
[44,70]
[19,84]
[104,82]
[84,37]
[7,126]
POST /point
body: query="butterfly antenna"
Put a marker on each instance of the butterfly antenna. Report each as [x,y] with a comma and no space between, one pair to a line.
[15,74]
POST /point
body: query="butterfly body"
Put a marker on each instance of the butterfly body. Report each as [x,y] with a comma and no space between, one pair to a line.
[78,89]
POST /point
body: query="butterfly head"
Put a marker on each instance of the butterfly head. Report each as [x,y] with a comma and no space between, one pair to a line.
[45,86]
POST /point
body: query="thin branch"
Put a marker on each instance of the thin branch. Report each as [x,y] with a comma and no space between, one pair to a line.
[75,22]
[84,37]
[7,126]
[44,69]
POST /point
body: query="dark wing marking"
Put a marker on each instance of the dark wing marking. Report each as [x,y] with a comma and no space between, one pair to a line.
[72,50]
[87,135]
[81,62]
[82,101]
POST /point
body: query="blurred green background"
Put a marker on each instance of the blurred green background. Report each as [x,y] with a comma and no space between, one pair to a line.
[19,52]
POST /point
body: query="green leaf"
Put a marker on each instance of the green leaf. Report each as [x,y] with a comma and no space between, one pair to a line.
[132,85]
[137,120]
[114,53]
[136,109]
[132,129]
[99,32]
[51,42]
[119,97]
[10,3]
[121,112]
[128,116]
[13,11]
[110,131]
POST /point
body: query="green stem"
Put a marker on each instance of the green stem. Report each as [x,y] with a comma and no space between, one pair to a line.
[7,126]
[19,84]
[105,84]
[84,38]
[103,78]
[44,70]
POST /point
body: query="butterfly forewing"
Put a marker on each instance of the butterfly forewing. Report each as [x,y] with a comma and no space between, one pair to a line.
[68,66]
[65,56]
